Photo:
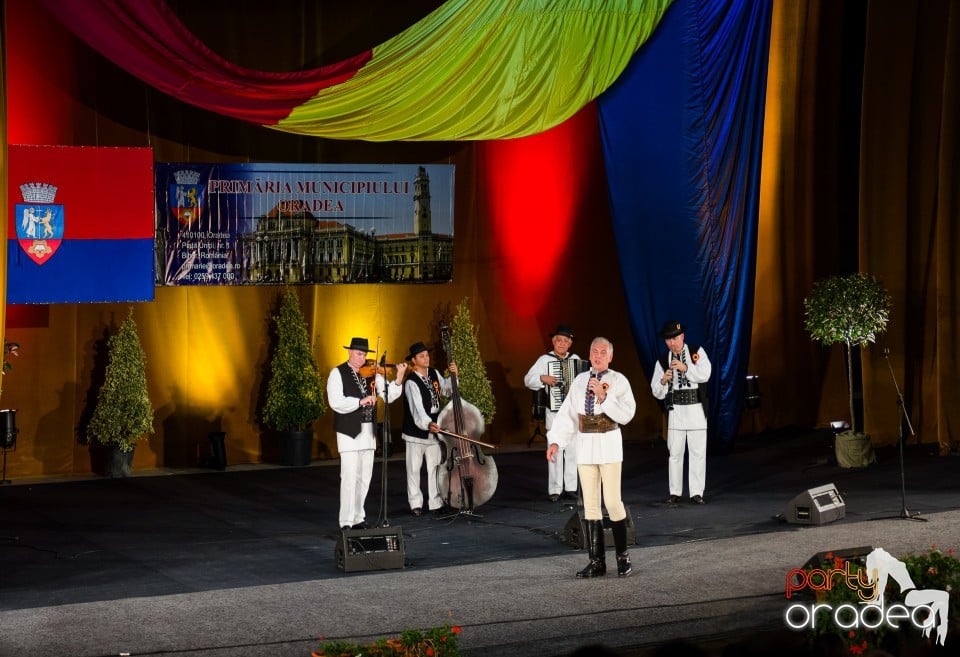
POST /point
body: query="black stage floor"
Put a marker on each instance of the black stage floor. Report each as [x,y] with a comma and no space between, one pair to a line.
[161,533]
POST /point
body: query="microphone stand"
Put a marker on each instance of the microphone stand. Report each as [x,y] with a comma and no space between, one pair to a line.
[904,514]
[385,444]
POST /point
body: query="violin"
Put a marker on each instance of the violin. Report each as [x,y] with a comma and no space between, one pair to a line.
[372,368]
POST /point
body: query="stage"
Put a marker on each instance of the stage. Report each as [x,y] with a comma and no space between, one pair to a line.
[242,562]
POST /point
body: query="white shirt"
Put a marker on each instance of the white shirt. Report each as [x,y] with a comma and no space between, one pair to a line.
[619,406]
[684,417]
[340,403]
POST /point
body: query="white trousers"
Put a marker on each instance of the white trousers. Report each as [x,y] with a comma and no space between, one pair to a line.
[416,455]
[356,470]
[695,441]
[562,472]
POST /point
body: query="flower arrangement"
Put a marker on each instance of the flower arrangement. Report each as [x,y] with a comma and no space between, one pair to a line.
[932,569]
[433,642]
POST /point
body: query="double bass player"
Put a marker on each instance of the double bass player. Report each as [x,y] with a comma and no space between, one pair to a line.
[598,403]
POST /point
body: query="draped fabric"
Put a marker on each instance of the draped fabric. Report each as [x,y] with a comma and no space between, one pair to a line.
[469,70]
[684,167]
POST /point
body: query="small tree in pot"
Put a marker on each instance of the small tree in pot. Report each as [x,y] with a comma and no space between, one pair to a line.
[851,309]
[294,397]
[123,413]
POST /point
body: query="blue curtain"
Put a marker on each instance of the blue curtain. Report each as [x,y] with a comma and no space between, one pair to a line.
[682,137]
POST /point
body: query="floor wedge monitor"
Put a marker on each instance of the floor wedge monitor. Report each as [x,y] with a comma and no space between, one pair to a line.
[369,549]
[575,531]
[816,506]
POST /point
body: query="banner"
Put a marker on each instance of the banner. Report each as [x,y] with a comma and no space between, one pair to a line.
[268,224]
[80,224]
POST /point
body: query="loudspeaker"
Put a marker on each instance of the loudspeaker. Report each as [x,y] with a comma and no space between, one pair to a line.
[575,531]
[816,506]
[369,549]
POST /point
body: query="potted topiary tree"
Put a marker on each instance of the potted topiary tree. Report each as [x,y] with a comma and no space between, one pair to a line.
[294,398]
[123,413]
[474,384]
[851,309]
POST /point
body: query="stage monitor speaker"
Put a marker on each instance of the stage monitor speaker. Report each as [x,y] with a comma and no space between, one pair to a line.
[369,549]
[816,506]
[575,531]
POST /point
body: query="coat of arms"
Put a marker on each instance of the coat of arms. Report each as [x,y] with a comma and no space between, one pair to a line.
[39,221]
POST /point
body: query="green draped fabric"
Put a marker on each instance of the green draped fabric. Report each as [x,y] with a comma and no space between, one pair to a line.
[483,70]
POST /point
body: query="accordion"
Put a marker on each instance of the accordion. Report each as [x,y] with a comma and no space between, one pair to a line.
[565,370]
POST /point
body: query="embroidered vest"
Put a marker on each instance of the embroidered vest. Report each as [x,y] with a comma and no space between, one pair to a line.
[409,428]
[348,423]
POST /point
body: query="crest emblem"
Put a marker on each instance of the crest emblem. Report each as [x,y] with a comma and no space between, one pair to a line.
[39,221]
[188,196]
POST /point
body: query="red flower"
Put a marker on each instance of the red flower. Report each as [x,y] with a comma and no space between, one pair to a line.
[456,629]
[852,634]
[429,652]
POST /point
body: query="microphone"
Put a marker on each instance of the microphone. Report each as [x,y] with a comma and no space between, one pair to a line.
[383,359]
[886,351]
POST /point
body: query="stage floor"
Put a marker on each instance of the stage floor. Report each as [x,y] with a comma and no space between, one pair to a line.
[242,562]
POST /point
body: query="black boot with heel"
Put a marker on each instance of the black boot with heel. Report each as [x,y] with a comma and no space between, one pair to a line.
[619,530]
[598,558]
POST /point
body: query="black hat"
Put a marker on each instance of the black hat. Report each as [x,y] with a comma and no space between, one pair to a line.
[360,344]
[416,348]
[672,329]
[563,329]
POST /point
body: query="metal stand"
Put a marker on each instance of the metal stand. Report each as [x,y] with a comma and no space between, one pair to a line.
[384,520]
[537,433]
[904,514]
[4,480]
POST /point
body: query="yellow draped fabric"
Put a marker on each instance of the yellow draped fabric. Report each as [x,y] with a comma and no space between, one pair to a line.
[483,70]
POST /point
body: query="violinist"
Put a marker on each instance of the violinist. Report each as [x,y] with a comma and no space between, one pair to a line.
[353,399]
[421,406]
[599,402]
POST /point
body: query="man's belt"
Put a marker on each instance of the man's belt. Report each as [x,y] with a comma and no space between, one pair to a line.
[596,423]
[686,396]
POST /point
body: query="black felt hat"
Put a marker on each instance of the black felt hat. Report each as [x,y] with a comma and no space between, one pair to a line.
[672,329]
[359,344]
[563,329]
[416,348]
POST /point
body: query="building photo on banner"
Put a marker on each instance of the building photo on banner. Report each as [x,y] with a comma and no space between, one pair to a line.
[269,224]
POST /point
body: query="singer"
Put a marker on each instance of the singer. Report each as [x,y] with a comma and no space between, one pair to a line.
[678,379]
[598,403]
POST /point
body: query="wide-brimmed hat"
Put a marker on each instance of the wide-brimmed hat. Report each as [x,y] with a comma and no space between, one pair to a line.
[359,344]
[563,329]
[416,348]
[672,329]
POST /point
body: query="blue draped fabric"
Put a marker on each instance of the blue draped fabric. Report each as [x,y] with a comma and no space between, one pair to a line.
[682,134]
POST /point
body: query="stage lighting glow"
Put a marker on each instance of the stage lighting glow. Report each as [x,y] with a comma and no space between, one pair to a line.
[534,188]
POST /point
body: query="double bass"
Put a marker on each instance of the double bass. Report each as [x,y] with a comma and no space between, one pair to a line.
[467,478]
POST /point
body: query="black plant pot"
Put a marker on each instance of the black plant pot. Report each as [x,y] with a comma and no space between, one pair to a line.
[297,447]
[118,462]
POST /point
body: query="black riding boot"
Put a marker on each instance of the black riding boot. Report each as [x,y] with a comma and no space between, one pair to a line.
[598,557]
[619,530]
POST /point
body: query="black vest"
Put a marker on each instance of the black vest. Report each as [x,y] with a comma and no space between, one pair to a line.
[409,428]
[349,423]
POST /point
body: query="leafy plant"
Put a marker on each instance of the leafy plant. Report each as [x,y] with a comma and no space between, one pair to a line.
[851,309]
[123,413]
[433,642]
[9,349]
[475,387]
[294,392]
